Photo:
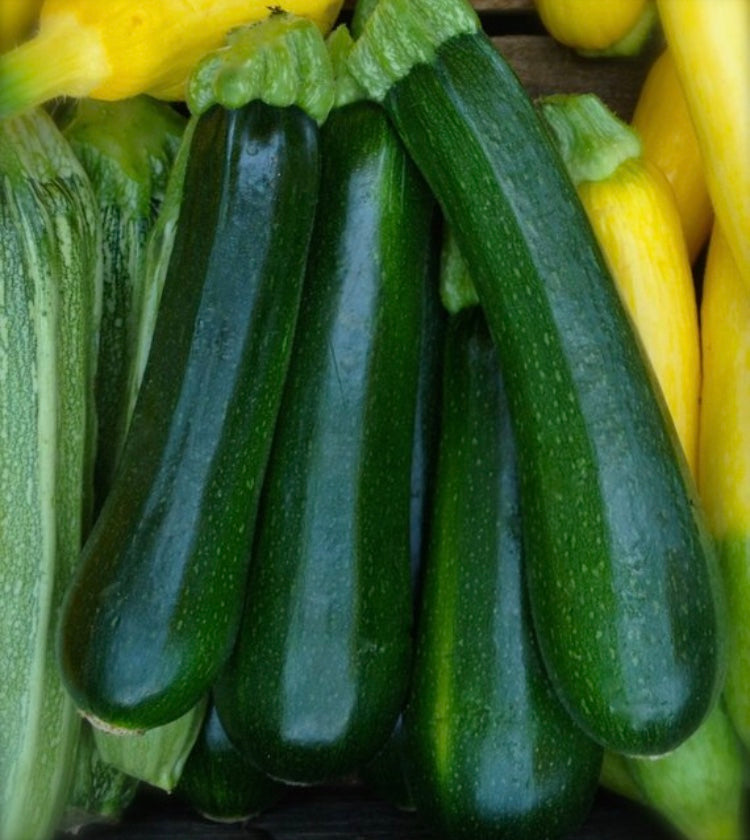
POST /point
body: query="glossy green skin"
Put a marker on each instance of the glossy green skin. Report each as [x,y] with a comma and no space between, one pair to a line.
[154,609]
[320,670]
[622,575]
[384,774]
[490,751]
[219,782]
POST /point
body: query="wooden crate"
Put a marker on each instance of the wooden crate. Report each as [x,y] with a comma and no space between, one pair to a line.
[347,811]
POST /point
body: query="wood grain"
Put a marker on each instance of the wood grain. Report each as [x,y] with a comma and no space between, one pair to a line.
[545,67]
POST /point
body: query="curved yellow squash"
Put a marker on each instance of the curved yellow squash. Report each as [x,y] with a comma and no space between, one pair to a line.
[121,48]
[710,42]
[589,24]
[663,122]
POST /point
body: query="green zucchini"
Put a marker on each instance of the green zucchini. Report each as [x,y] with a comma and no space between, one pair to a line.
[127,149]
[622,575]
[153,612]
[490,751]
[219,782]
[319,673]
[385,774]
[50,289]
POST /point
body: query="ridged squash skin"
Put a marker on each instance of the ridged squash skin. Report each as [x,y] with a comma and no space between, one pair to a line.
[319,673]
[490,752]
[126,148]
[153,611]
[622,574]
[50,276]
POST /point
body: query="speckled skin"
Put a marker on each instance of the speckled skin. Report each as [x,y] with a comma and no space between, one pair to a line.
[156,604]
[622,575]
[320,671]
[490,752]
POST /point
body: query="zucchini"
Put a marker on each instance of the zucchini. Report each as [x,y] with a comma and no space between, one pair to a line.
[50,287]
[490,751]
[385,773]
[623,580]
[219,782]
[319,673]
[153,612]
[127,149]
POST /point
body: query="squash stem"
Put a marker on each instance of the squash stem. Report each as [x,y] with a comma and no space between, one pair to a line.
[30,78]
[399,34]
[282,61]
[591,139]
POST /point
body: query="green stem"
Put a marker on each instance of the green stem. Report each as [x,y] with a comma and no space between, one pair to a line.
[593,142]
[399,34]
[282,60]
[362,13]
[347,89]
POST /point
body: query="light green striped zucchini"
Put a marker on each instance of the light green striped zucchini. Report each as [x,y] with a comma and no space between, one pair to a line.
[100,793]
[127,149]
[50,297]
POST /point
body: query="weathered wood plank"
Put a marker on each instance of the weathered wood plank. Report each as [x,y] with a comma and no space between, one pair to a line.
[545,67]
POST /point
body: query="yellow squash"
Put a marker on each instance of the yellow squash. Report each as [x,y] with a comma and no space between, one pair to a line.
[710,43]
[697,788]
[17,17]
[724,465]
[637,224]
[631,208]
[663,122]
[595,26]
[120,48]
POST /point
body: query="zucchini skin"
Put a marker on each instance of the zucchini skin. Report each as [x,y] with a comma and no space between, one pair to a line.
[153,612]
[384,774]
[219,782]
[320,669]
[490,751]
[50,288]
[622,575]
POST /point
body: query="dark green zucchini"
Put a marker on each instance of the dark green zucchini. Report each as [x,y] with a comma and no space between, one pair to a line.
[219,782]
[155,606]
[490,751]
[384,774]
[622,576]
[320,670]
